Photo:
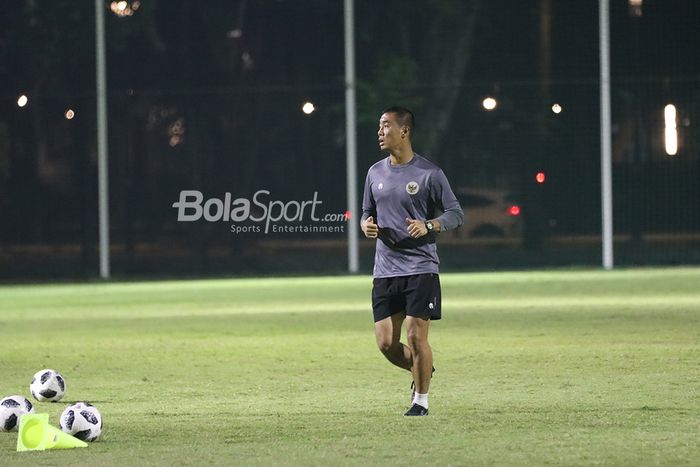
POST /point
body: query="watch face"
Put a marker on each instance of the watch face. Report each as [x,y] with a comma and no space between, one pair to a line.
[429,226]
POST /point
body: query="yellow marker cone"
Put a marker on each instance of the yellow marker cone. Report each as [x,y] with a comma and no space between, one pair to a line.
[35,434]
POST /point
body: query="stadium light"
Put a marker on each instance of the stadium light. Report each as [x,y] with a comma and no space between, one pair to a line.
[670,131]
[124,8]
[22,100]
[489,103]
[556,108]
[635,7]
[70,114]
[235,33]
[308,108]
[540,177]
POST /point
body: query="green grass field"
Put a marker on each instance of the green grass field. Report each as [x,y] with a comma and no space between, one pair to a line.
[534,368]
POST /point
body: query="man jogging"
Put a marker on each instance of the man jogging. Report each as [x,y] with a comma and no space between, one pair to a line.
[403,193]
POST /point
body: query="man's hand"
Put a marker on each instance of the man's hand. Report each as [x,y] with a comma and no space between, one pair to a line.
[416,228]
[370,229]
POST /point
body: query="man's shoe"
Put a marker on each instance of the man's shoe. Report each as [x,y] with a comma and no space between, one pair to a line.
[416,411]
[413,386]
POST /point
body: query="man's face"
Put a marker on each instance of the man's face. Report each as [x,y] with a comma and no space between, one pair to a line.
[390,132]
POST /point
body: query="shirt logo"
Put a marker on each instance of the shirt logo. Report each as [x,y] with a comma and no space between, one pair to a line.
[431,306]
[380,186]
[412,188]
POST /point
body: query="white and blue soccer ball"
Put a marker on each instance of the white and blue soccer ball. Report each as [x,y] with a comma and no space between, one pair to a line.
[11,409]
[82,420]
[48,386]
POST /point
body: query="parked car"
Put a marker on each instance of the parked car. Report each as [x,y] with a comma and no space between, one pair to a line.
[489,213]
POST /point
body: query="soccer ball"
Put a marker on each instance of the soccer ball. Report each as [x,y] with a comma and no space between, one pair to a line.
[82,420]
[11,408]
[48,385]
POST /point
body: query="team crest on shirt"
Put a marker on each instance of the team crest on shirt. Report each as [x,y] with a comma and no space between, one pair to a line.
[380,186]
[412,188]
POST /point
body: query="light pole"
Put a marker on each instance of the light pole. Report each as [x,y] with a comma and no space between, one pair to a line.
[351,139]
[102,159]
[605,134]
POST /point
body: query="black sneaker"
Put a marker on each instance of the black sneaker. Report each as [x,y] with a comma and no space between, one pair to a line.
[413,386]
[416,411]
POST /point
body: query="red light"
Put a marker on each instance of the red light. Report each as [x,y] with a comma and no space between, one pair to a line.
[514,211]
[348,215]
[540,178]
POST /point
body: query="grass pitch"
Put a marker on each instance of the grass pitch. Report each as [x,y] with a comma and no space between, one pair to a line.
[534,368]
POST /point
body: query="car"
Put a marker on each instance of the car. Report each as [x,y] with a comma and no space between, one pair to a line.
[489,212]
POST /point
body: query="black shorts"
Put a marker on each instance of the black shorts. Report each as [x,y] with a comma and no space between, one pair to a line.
[417,295]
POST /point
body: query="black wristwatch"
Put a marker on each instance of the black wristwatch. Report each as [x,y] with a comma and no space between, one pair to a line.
[430,226]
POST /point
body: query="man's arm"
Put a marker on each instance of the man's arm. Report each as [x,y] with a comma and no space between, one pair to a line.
[368,223]
[452,216]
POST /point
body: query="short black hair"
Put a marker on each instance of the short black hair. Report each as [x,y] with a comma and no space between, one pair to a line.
[403,116]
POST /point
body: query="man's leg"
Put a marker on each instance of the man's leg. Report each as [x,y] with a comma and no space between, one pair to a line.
[417,337]
[388,334]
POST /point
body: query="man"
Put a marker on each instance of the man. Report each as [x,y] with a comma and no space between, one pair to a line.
[403,193]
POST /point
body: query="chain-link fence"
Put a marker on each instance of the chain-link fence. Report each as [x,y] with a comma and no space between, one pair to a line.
[217,166]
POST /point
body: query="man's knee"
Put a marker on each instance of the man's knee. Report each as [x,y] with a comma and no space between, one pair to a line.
[385,343]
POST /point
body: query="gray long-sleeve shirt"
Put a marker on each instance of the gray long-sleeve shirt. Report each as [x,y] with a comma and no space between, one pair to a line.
[415,190]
